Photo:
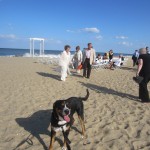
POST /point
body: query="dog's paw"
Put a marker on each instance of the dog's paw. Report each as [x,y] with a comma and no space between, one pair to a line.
[86,142]
[64,148]
[82,137]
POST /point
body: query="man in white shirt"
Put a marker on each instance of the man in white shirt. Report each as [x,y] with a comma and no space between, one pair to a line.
[88,59]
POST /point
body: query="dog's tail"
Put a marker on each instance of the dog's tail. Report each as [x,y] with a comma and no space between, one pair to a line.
[86,97]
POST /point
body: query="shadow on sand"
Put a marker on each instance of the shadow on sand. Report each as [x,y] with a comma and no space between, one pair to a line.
[129,68]
[48,75]
[36,124]
[101,89]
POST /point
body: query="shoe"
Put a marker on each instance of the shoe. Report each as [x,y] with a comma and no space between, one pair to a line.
[63,79]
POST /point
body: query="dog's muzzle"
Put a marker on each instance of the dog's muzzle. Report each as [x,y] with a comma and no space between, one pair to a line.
[66,113]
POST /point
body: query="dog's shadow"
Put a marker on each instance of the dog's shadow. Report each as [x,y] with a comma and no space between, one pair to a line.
[76,129]
[36,124]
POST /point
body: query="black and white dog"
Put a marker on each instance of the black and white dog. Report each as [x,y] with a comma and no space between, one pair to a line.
[62,118]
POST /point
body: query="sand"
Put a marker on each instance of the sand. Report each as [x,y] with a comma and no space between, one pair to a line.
[114,117]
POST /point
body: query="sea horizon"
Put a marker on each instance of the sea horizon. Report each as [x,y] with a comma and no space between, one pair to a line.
[19,52]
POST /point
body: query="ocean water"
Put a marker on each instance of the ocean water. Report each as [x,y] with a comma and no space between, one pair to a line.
[11,52]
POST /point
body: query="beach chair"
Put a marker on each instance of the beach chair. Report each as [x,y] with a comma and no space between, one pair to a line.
[100,65]
[96,66]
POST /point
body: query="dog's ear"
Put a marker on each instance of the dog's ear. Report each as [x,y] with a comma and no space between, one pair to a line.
[55,110]
[54,106]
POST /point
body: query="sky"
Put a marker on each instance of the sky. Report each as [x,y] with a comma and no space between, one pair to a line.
[120,25]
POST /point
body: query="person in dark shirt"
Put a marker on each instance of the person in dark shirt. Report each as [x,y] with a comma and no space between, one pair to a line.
[135,57]
[144,71]
[111,55]
[147,49]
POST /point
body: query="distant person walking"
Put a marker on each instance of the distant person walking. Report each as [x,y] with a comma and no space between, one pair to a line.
[88,59]
[77,58]
[147,49]
[144,71]
[135,57]
[64,61]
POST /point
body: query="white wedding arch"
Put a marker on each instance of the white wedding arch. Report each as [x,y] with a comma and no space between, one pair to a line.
[32,53]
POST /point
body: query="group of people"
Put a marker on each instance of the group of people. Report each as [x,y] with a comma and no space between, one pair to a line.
[85,58]
[108,55]
[88,57]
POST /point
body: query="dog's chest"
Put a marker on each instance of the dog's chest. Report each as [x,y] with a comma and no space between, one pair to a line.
[57,129]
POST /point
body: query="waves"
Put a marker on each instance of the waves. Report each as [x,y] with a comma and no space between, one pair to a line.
[11,52]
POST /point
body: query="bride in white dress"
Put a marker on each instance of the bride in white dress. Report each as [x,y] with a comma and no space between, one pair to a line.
[64,62]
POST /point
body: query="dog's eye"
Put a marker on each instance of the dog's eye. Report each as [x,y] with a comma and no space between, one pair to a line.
[67,105]
[62,104]
[59,108]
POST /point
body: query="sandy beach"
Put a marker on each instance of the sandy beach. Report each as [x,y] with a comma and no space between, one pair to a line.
[114,117]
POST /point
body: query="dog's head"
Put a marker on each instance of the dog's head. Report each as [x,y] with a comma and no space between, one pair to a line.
[62,110]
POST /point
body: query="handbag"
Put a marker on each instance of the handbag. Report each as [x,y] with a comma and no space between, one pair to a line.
[79,67]
[138,79]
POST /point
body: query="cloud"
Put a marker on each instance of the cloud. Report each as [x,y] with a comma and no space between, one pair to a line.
[91,30]
[10,26]
[125,43]
[58,41]
[99,37]
[7,36]
[121,37]
[70,31]
[51,40]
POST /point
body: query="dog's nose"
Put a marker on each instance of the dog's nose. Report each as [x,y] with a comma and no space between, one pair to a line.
[66,111]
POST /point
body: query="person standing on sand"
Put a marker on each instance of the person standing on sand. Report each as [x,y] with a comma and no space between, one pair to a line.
[147,49]
[64,62]
[88,59]
[144,71]
[77,58]
[135,57]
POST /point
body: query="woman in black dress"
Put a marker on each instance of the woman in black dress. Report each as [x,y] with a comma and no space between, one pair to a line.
[144,71]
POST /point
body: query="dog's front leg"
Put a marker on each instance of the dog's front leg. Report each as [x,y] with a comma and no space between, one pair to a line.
[53,134]
[66,145]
